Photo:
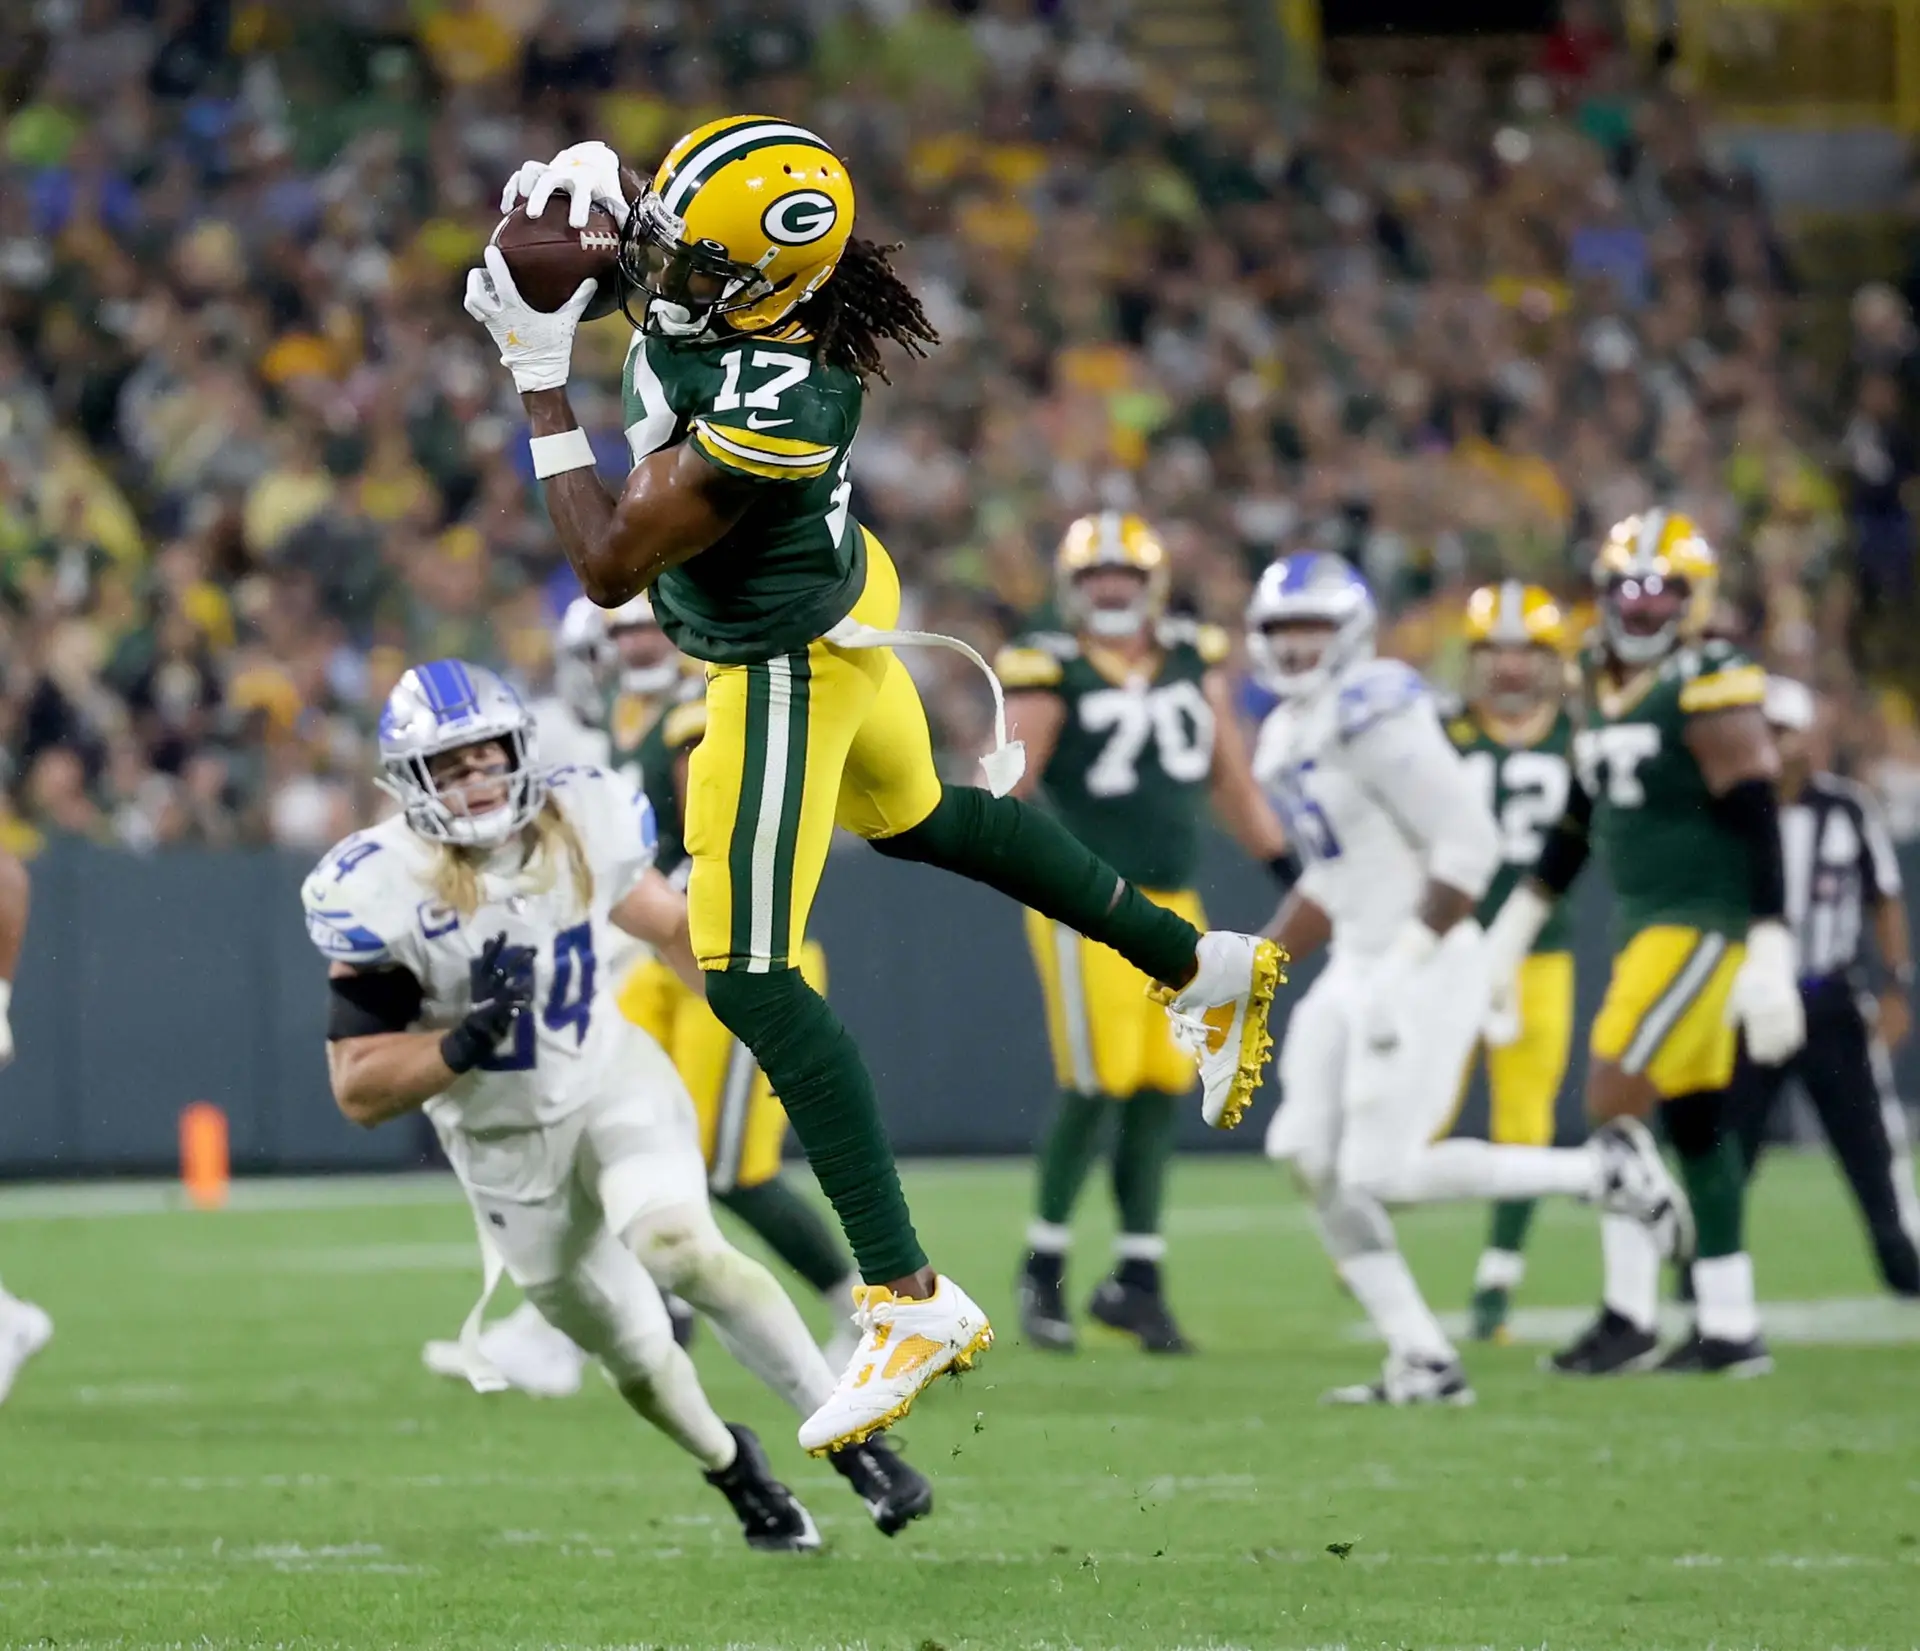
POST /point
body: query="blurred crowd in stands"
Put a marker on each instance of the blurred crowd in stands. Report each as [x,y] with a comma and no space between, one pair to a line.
[254,458]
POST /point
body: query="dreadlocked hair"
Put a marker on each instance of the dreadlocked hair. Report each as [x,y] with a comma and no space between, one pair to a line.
[861,304]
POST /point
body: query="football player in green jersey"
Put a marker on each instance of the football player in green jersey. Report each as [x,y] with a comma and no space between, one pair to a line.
[761,321]
[1517,736]
[1129,728]
[1676,790]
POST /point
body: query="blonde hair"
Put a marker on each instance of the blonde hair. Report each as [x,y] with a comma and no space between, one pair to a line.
[456,871]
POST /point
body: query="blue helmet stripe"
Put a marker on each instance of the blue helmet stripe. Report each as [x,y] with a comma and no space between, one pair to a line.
[448,688]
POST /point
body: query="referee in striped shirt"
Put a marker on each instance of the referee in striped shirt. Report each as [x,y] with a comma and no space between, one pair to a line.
[1842,879]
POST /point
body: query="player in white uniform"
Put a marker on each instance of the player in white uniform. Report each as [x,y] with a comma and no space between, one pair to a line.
[466,937]
[1398,847]
[569,720]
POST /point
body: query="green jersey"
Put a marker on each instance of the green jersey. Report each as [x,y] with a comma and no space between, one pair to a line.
[1526,788]
[1130,772]
[649,762]
[765,411]
[1670,859]
[630,718]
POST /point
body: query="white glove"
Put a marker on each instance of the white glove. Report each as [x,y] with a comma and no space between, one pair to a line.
[1387,988]
[587,174]
[535,346]
[1510,936]
[6,1026]
[1765,1000]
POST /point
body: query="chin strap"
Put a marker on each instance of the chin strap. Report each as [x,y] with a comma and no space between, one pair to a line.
[1007,761]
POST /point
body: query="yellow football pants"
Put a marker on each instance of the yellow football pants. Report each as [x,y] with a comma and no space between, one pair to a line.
[793,747]
[1524,1077]
[1665,1012]
[1108,1037]
[742,1126]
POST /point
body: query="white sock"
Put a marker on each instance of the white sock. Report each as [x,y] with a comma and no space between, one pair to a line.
[1383,1285]
[1723,1298]
[672,1400]
[1480,1169]
[1499,1270]
[1048,1237]
[1140,1247]
[759,1325]
[1632,1262]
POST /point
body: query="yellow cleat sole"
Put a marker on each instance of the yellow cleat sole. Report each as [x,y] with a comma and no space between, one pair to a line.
[1256,1042]
[958,1365]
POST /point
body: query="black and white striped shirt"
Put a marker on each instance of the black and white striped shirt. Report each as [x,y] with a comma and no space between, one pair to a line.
[1839,862]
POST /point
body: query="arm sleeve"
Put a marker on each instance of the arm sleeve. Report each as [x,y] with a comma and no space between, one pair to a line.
[1568,843]
[372,1001]
[1406,760]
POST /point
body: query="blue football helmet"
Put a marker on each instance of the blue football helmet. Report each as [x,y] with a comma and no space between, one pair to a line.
[1314,586]
[444,706]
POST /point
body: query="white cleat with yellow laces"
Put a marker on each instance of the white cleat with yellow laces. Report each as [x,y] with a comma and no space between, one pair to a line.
[1220,1017]
[904,1345]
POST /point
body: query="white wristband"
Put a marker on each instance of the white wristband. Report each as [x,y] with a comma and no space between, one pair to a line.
[554,455]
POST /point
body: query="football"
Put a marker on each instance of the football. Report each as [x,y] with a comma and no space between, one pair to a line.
[549,258]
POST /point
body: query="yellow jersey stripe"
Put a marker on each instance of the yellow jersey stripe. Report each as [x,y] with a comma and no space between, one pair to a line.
[730,456]
[1723,690]
[1027,668]
[760,445]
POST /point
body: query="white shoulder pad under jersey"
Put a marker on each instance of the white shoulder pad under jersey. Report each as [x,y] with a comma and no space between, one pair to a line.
[1372,690]
[369,901]
[615,824]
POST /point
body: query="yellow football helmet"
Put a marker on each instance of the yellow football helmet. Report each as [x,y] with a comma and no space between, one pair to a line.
[746,217]
[1517,639]
[1657,580]
[1110,540]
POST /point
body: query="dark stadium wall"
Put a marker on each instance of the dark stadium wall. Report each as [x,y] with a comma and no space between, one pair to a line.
[151,983]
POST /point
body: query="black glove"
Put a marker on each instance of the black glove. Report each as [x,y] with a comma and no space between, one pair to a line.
[502,988]
[1284,869]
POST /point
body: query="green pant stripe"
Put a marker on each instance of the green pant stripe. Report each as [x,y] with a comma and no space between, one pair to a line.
[746,819]
[793,788]
[1689,981]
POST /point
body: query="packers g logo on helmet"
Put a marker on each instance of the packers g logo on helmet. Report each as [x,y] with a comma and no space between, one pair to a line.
[800,220]
[745,220]
[1657,580]
[1111,539]
[1518,637]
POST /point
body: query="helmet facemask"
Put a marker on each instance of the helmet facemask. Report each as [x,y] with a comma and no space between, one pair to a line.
[643,676]
[1512,679]
[1109,620]
[1295,657]
[479,802]
[1643,615]
[686,286]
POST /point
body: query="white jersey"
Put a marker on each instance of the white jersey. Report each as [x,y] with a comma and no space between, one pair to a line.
[371,903]
[1376,800]
[566,741]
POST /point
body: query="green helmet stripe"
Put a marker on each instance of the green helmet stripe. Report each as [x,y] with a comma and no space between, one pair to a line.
[737,141]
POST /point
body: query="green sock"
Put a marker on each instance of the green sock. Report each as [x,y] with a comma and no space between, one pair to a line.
[1140,1159]
[1027,854]
[1067,1154]
[1511,1218]
[1716,1188]
[816,1070]
[793,1229]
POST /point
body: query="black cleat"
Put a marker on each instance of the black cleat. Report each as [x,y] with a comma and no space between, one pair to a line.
[683,1318]
[1613,1345]
[1139,1311]
[1041,1293]
[1702,1355]
[771,1517]
[895,1493]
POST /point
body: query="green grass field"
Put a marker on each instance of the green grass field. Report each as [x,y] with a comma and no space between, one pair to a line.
[232,1442]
